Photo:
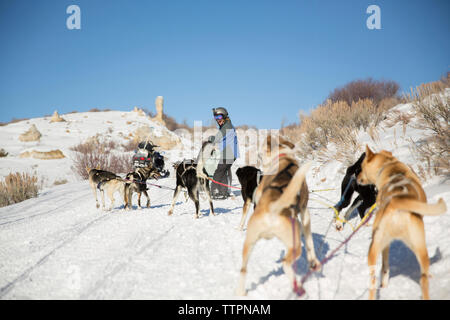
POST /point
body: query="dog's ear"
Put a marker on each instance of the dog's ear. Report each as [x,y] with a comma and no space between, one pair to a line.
[284,142]
[369,153]
[269,142]
[98,167]
[386,153]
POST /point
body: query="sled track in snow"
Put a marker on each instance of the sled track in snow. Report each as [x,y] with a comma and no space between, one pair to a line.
[26,273]
[27,216]
[124,262]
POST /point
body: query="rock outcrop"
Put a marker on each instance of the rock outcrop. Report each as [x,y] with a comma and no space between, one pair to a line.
[167,140]
[43,155]
[139,111]
[159,105]
[56,117]
[32,134]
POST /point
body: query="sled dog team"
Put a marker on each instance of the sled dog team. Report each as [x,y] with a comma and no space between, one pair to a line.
[281,195]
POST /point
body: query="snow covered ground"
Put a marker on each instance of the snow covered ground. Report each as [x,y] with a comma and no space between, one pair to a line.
[59,246]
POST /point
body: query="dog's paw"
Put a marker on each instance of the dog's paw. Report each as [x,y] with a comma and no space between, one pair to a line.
[338,225]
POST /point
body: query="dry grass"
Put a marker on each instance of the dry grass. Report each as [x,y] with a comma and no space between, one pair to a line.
[330,131]
[433,114]
[396,116]
[18,187]
[336,123]
[427,89]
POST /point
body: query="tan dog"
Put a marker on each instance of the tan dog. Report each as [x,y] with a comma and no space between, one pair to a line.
[401,203]
[106,181]
[278,203]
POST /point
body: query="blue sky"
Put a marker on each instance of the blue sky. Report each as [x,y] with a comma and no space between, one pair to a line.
[262,60]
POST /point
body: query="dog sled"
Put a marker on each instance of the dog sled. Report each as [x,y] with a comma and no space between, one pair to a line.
[146,155]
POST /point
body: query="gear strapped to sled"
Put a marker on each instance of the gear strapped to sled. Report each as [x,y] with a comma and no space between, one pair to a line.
[145,156]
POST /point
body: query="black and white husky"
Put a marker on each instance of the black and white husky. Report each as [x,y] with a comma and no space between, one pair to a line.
[193,177]
[137,182]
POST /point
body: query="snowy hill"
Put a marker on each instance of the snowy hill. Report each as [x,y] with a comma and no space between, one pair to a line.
[117,126]
[59,246]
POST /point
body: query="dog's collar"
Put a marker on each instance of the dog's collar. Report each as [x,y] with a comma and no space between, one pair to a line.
[277,158]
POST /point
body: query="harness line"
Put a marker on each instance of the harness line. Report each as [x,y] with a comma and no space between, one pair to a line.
[152,184]
[223,184]
[366,219]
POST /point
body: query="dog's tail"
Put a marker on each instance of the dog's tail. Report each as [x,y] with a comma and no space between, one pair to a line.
[419,207]
[126,180]
[291,191]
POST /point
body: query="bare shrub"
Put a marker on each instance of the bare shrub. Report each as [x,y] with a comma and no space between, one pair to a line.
[18,187]
[86,147]
[101,154]
[446,79]
[365,89]
[13,120]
